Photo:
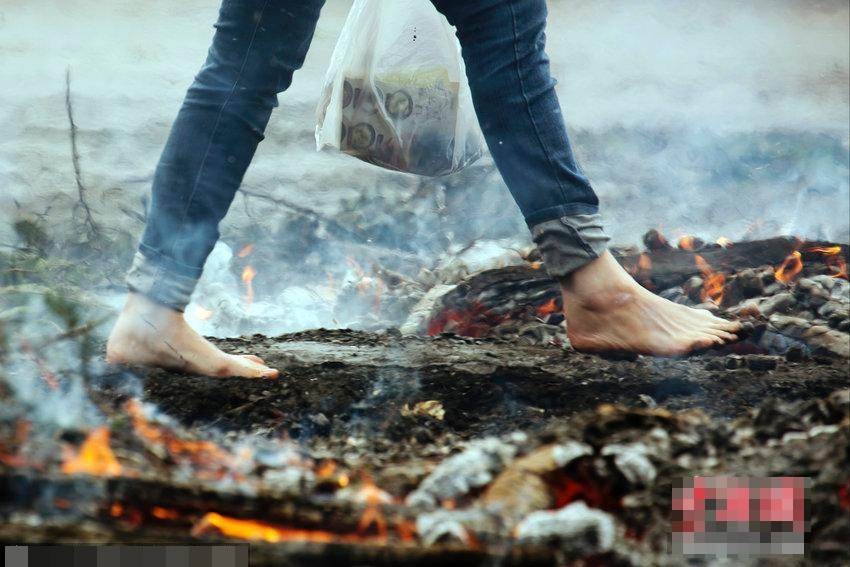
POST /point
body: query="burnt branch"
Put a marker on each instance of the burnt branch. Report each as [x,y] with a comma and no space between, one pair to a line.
[82,204]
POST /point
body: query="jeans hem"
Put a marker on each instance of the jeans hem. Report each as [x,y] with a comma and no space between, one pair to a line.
[160,284]
[558,211]
[569,242]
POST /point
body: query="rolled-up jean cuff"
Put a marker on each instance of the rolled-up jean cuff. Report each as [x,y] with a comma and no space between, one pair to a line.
[569,242]
[160,284]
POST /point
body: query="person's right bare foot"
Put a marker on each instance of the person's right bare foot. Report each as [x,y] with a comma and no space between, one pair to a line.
[608,311]
[150,334]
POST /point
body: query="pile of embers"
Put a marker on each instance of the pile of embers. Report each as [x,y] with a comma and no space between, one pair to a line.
[794,294]
[499,446]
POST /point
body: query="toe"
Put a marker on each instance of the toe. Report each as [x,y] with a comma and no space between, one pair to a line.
[728,326]
[725,335]
[254,358]
[241,366]
[704,341]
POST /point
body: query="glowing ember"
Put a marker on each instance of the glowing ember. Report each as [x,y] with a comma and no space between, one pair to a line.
[94,457]
[724,242]
[473,322]
[246,251]
[687,243]
[248,278]
[164,513]
[328,471]
[791,266]
[548,308]
[713,282]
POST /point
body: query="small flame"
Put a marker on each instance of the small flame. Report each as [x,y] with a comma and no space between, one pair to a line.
[253,530]
[791,266]
[713,282]
[548,308]
[724,242]
[833,259]
[687,242]
[204,454]
[374,498]
[246,251]
[248,275]
[95,457]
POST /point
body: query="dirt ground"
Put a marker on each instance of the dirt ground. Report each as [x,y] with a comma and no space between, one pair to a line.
[341,393]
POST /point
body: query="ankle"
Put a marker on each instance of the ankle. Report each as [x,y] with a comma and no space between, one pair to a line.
[139,306]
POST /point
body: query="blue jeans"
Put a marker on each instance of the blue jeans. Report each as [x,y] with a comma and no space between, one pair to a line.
[257,47]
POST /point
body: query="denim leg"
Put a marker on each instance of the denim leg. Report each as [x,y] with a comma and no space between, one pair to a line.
[258,45]
[503,46]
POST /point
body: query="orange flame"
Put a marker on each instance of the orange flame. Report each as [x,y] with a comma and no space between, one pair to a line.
[713,282]
[95,457]
[791,266]
[374,498]
[253,530]
[248,278]
[246,251]
[204,454]
[687,242]
[833,259]
[548,308]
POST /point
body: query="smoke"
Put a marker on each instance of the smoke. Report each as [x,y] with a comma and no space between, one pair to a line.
[718,119]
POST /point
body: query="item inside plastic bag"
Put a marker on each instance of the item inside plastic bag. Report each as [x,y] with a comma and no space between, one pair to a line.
[396,93]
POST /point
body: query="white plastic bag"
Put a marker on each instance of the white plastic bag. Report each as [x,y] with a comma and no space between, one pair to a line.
[396,93]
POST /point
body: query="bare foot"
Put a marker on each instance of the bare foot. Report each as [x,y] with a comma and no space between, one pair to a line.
[608,311]
[150,334]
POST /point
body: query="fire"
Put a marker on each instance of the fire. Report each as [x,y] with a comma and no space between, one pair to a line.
[204,454]
[95,457]
[791,266]
[253,530]
[724,242]
[473,322]
[833,259]
[687,242]
[374,498]
[248,275]
[245,251]
[713,282]
[548,308]
[328,471]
